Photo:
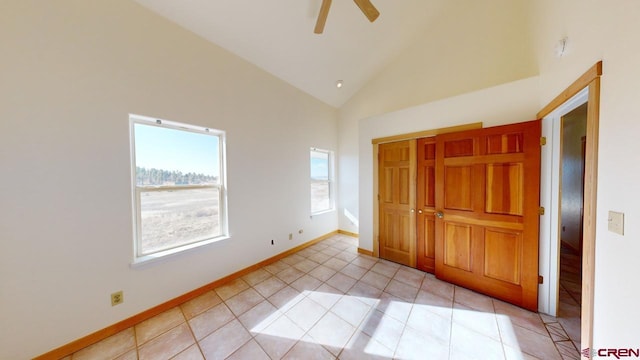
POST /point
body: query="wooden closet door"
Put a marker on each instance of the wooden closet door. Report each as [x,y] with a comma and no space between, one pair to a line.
[396,197]
[425,204]
[487,197]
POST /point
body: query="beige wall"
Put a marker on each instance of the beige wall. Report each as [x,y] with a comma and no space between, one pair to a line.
[472,45]
[608,31]
[70,73]
[507,103]
[597,30]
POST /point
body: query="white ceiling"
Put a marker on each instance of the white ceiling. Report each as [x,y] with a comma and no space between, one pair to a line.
[277,36]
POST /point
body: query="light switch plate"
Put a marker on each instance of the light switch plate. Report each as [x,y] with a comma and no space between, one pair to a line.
[616,222]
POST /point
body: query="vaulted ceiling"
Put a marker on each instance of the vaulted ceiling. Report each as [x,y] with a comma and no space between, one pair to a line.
[277,36]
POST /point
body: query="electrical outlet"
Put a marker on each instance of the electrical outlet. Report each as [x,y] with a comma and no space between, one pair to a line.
[117,298]
[616,222]
[290,236]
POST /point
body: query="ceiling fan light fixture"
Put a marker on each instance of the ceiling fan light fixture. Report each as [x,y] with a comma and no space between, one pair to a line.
[367,8]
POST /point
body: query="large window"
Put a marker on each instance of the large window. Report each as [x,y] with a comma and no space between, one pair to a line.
[321,181]
[178,186]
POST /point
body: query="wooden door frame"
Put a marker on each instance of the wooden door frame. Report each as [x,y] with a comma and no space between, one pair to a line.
[394,138]
[591,80]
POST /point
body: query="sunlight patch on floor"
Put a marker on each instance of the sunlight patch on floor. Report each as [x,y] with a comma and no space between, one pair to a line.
[371,326]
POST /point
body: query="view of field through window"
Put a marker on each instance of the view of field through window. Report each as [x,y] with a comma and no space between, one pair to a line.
[178,217]
[320,181]
[178,187]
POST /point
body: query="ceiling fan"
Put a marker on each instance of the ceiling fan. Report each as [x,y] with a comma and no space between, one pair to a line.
[365,6]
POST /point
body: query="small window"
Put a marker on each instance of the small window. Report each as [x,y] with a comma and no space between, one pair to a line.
[321,181]
[178,186]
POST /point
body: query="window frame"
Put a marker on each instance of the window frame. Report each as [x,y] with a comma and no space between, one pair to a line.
[330,181]
[221,186]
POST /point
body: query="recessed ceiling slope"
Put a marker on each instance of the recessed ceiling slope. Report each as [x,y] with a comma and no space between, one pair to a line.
[277,36]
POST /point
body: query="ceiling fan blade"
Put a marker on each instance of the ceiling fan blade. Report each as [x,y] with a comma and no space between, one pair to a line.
[322,16]
[368,9]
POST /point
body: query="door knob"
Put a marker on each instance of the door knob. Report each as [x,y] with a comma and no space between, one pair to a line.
[439,214]
[419,211]
[413,210]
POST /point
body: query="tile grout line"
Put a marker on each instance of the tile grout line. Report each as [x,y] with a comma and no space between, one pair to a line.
[372,309]
[404,329]
[555,343]
[306,296]
[236,317]
[327,310]
[135,339]
[495,316]
[570,293]
[453,304]
[405,322]
[252,338]
[197,343]
[355,333]
[569,339]
[138,346]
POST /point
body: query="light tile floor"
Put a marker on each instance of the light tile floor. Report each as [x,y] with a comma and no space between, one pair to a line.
[327,302]
[565,329]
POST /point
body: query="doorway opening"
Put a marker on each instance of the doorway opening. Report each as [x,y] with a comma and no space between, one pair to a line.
[585,90]
[573,139]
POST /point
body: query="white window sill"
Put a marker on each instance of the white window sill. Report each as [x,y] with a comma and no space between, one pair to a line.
[160,256]
[322,212]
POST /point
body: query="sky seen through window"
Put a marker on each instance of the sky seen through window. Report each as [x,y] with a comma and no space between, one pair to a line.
[176,150]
